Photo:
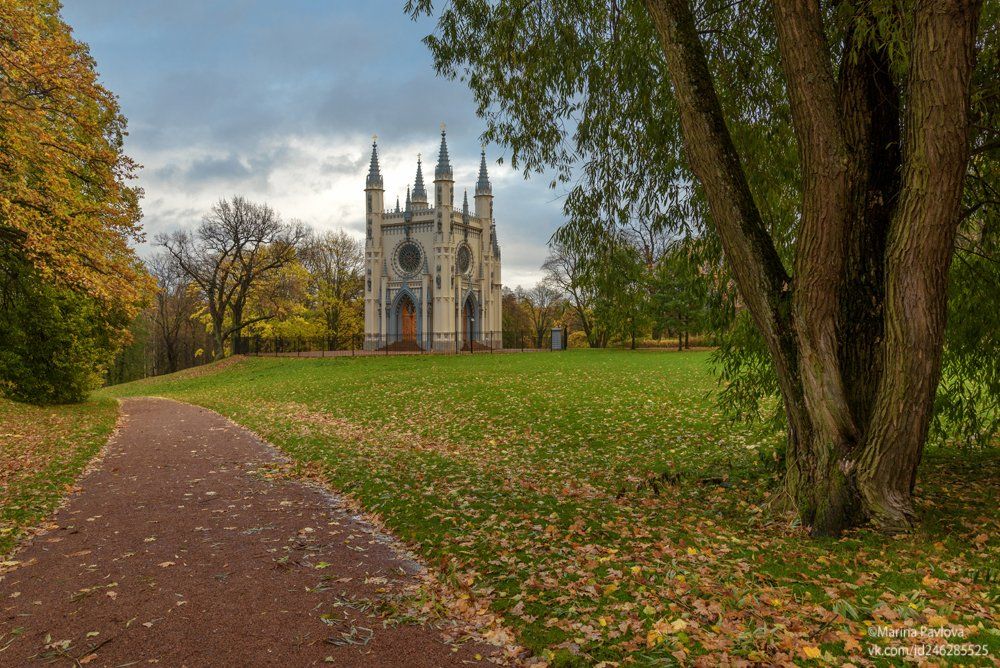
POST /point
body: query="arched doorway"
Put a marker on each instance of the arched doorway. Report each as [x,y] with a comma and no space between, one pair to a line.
[407,320]
[470,322]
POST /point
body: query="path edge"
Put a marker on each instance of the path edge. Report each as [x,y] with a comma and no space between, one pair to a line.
[42,528]
[425,575]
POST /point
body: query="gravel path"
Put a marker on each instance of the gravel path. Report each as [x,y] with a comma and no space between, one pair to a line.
[180,551]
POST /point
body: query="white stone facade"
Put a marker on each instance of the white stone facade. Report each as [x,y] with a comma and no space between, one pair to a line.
[432,272]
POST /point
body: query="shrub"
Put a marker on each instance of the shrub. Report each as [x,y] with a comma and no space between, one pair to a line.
[577,340]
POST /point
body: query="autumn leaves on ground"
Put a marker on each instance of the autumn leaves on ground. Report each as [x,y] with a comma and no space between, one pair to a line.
[598,500]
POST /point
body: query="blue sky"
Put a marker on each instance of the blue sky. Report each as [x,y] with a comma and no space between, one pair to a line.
[277,100]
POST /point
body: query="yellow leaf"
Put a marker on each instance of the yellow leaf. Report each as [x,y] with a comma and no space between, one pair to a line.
[812,652]
[937,620]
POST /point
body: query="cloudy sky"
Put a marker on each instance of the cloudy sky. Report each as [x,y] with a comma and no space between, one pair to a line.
[277,100]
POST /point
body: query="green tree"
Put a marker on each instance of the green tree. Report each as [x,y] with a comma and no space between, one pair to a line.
[828,144]
[57,343]
[681,291]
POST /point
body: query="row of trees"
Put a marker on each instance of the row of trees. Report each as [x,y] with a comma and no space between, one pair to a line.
[244,272]
[632,289]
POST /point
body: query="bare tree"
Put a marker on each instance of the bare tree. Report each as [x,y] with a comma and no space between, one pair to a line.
[542,303]
[564,270]
[174,306]
[237,243]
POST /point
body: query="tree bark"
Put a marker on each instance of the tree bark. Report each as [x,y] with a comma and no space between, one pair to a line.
[918,255]
[856,339]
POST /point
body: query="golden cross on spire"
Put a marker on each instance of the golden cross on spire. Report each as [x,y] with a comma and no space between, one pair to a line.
[374,138]
[442,126]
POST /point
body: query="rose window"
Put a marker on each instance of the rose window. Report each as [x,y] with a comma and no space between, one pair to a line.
[464,259]
[409,257]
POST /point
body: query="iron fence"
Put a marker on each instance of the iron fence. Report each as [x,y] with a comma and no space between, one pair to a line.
[326,346]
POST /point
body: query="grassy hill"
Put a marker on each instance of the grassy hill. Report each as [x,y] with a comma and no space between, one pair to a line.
[605,506]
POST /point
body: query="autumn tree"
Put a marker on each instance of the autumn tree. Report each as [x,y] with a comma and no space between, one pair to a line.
[516,324]
[237,244]
[67,211]
[335,262]
[542,305]
[829,142]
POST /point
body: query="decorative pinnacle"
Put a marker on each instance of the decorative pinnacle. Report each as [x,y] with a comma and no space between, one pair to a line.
[465,201]
[419,192]
[443,169]
[408,211]
[397,203]
[483,186]
[374,179]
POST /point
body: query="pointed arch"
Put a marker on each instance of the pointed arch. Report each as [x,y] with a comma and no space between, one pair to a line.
[470,314]
[404,317]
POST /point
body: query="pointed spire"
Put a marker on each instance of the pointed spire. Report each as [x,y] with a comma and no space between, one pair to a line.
[483,186]
[408,211]
[397,203]
[443,169]
[465,208]
[374,179]
[419,192]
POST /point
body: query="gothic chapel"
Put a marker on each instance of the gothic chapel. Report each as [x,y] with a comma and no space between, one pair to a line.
[432,272]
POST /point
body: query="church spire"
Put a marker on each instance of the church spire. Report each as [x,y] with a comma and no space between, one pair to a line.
[408,211]
[374,179]
[443,169]
[419,192]
[483,186]
[465,207]
[397,203]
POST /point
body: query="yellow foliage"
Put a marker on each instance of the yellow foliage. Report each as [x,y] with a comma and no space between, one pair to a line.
[65,202]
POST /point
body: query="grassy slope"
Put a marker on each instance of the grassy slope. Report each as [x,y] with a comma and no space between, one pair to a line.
[42,451]
[527,478]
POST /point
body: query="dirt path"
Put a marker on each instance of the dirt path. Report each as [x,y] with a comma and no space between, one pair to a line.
[179,551]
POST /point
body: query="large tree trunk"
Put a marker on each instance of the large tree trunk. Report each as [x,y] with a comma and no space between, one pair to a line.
[856,337]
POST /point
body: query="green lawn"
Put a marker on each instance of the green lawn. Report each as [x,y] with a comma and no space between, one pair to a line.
[42,451]
[606,507]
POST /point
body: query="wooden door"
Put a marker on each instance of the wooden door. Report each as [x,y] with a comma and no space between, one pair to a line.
[408,320]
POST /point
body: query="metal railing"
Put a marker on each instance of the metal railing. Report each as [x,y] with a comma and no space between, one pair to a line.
[368,345]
